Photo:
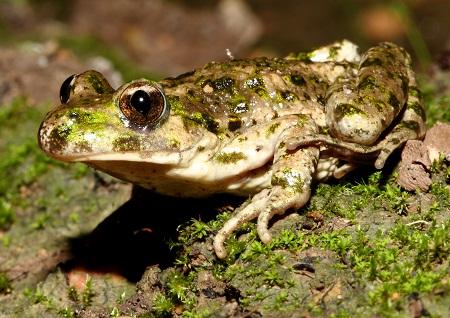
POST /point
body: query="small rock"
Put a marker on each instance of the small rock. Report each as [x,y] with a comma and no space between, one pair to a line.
[418,156]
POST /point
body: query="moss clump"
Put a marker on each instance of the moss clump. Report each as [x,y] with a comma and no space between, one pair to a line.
[5,284]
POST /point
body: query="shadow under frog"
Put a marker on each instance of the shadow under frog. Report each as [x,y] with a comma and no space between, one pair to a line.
[138,233]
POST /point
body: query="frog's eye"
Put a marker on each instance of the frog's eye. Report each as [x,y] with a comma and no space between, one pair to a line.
[143,105]
[66,89]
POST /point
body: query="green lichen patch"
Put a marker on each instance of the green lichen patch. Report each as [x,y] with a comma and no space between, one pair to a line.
[206,121]
[271,129]
[229,157]
[238,104]
[417,108]
[126,143]
[347,110]
[98,83]
[203,119]
[288,179]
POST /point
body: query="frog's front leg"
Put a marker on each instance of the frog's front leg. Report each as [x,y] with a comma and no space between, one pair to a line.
[360,109]
[292,173]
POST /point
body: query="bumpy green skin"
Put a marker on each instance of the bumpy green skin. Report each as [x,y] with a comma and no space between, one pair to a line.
[264,126]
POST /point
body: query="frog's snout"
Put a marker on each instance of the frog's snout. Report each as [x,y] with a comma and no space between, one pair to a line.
[50,138]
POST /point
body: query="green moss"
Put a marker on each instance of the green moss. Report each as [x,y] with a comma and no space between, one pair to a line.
[229,157]
[5,284]
[22,161]
[162,306]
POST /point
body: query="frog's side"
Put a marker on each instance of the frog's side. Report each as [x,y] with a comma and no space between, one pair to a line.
[264,127]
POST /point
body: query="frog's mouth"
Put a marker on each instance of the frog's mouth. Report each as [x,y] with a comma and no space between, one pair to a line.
[114,145]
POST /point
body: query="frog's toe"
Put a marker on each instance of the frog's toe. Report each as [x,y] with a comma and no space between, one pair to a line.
[247,213]
[279,202]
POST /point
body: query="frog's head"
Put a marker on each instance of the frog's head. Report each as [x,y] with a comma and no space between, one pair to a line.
[101,126]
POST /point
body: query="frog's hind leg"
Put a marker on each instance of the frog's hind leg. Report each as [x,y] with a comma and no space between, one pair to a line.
[411,125]
[359,110]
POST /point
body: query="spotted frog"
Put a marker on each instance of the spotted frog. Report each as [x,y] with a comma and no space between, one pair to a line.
[264,127]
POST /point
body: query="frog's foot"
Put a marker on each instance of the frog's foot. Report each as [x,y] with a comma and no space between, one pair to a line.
[291,180]
[280,201]
[246,214]
[264,205]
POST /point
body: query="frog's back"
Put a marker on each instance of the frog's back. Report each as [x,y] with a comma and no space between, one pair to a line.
[226,97]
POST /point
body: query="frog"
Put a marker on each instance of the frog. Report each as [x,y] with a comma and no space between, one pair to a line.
[267,129]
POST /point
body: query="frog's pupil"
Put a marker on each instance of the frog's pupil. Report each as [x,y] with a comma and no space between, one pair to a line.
[66,87]
[141,101]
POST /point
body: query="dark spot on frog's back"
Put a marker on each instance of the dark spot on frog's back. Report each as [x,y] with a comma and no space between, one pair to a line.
[221,84]
[410,124]
[297,79]
[234,123]
[206,121]
[82,147]
[126,143]
[393,101]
